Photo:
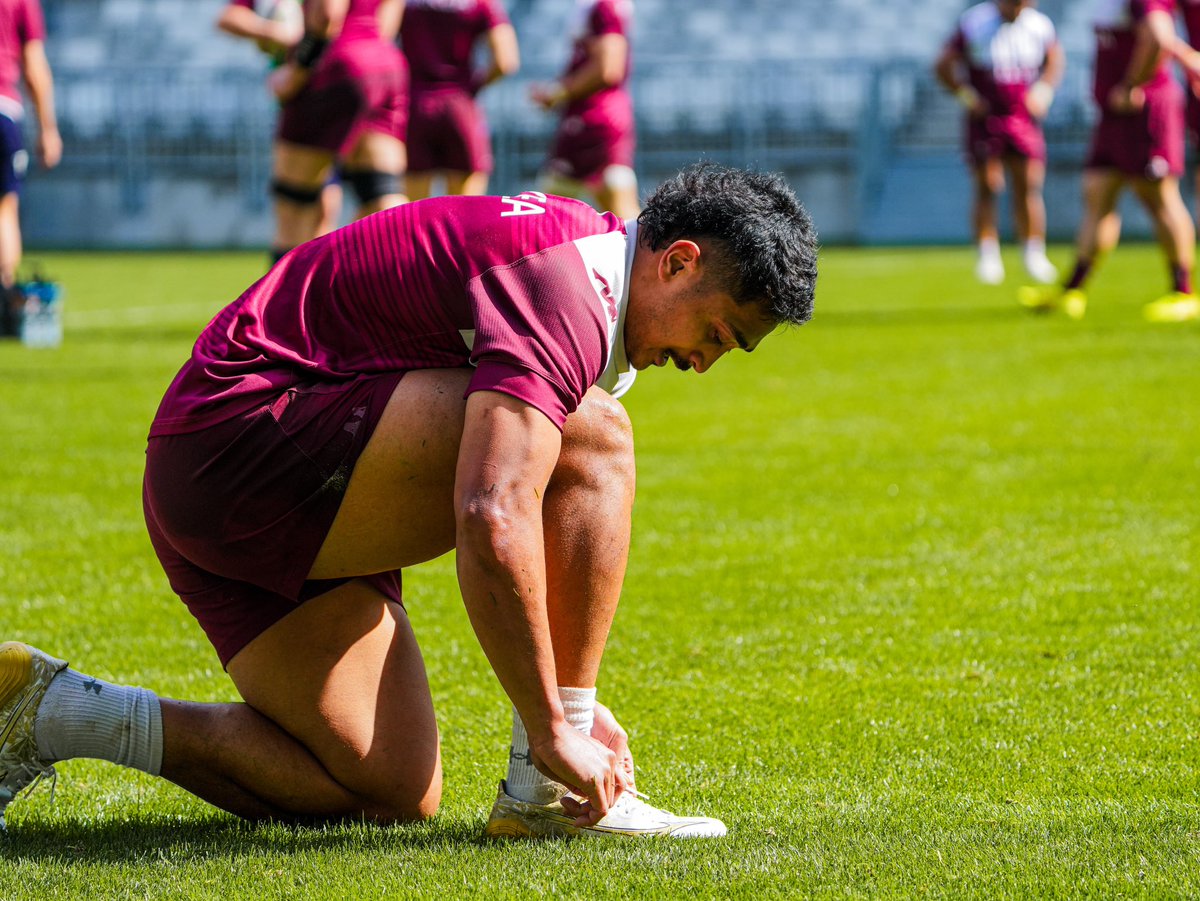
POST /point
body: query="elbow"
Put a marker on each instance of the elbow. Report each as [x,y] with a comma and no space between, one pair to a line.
[612,77]
[485,524]
[509,66]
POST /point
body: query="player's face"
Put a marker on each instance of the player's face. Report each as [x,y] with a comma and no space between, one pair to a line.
[691,328]
[1010,9]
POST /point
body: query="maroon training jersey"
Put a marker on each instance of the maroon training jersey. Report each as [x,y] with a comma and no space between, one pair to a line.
[20,22]
[529,289]
[1116,22]
[594,19]
[439,35]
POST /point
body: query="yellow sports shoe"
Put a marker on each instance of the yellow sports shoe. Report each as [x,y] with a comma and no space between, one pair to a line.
[1048,298]
[25,673]
[1074,303]
[630,816]
[1175,307]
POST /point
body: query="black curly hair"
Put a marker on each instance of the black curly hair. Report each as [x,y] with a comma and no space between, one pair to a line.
[763,240]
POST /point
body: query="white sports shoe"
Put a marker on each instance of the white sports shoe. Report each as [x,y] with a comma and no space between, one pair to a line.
[631,816]
[1039,267]
[989,269]
[25,673]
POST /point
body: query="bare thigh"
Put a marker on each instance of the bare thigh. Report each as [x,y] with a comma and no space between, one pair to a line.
[343,676]
[10,237]
[466,183]
[399,505]
[301,167]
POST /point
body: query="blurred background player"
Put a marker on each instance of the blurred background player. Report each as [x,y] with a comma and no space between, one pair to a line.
[1137,142]
[1003,63]
[1189,58]
[276,34]
[447,131]
[22,56]
[344,95]
[593,147]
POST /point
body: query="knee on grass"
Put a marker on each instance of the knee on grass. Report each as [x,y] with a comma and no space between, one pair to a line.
[398,802]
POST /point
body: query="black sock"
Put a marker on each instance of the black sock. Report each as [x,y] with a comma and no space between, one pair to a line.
[1181,278]
[1079,276]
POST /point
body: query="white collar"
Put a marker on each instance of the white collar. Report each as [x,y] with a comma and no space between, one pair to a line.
[631,240]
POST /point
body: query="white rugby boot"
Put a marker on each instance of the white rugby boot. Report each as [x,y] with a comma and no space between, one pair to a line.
[989,269]
[1039,267]
[25,673]
[630,816]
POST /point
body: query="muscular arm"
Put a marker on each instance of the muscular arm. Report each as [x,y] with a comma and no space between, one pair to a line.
[506,57]
[389,15]
[1155,39]
[948,71]
[40,85]
[243,22]
[508,452]
[324,17]
[1055,65]
[1189,58]
[608,55]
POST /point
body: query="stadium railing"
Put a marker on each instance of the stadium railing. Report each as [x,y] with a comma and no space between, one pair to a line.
[846,123]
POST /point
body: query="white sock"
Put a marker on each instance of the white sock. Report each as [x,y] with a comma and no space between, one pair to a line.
[524,782]
[989,249]
[1035,246]
[84,717]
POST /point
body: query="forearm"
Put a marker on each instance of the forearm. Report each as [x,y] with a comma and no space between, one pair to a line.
[1054,67]
[505,56]
[501,573]
[1187,56]
[604,68]
[243,22]
[323,18]
[1155,39]
[947,72]
[40,85]
[389,17]
[583,82]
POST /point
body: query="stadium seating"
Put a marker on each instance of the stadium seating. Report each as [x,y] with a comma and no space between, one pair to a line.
[150,89]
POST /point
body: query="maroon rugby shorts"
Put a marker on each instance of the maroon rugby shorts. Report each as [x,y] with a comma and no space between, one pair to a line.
[1193,118]
[357,88]
[238,511]
[447,130]
[1146,144]
[583,150]
[995,137]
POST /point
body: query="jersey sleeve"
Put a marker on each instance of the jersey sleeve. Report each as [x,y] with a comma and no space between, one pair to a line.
[607,18]
[1142,8]
[492,14]
[31,26]
[957,42]
[539,331]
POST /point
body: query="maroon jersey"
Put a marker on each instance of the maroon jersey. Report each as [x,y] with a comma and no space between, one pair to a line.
[439,35]
[594,19]
[1116,35]
[529,289]
[20,22]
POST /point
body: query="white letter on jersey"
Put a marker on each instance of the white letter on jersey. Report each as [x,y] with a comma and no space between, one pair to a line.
[523,205]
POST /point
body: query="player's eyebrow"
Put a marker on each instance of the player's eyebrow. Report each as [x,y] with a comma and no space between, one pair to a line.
[740,339]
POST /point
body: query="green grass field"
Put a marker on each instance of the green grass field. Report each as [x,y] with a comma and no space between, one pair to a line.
[913,605]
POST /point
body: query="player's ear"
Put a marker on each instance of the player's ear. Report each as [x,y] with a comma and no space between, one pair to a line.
[681,257]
